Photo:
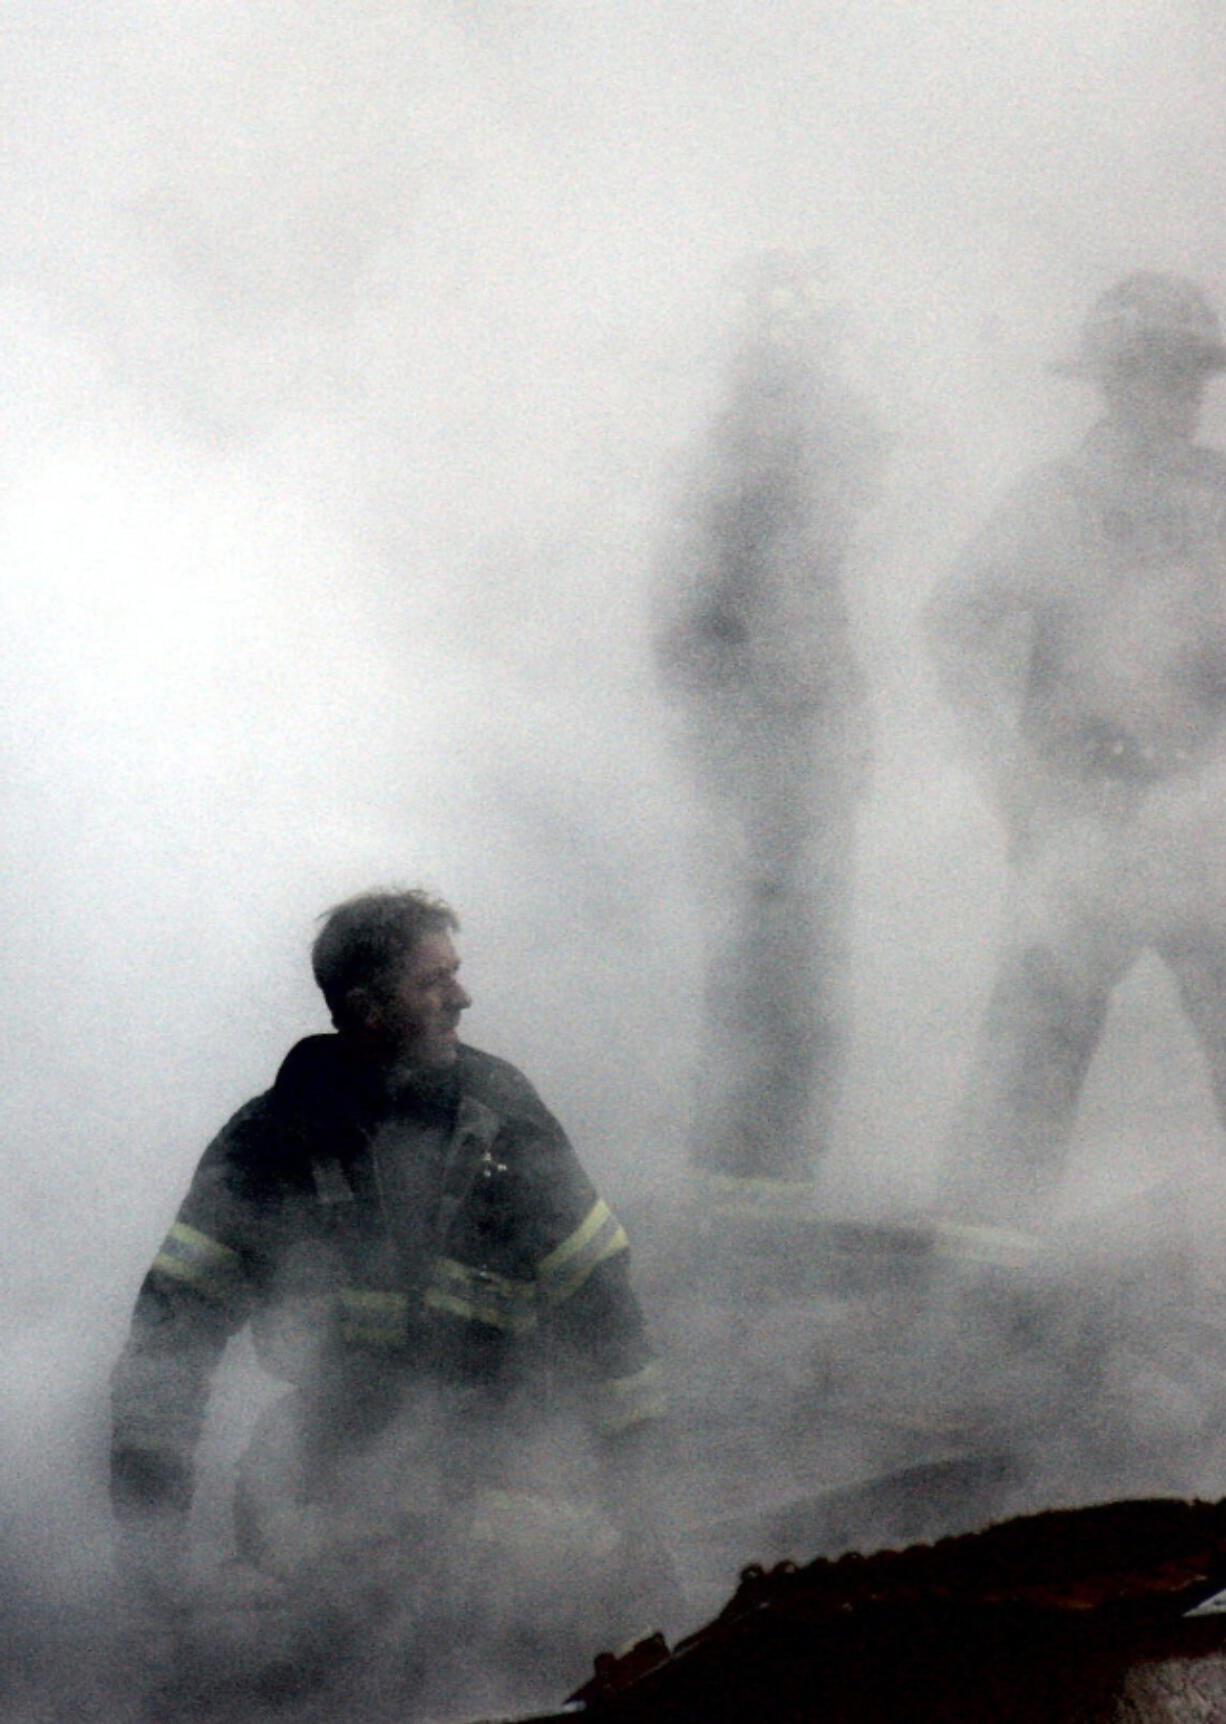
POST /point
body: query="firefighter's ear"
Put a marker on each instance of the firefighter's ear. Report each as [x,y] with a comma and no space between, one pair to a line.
[363,1012]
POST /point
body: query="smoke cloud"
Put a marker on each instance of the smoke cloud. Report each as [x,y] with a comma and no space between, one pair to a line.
[350,353]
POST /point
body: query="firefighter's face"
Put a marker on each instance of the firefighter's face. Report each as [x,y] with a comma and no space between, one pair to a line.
[419,1013]
[1160,399]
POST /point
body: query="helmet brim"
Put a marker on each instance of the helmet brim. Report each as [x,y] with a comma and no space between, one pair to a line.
[1209,357]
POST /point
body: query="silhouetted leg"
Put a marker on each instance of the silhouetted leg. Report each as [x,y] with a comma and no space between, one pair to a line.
[776,989]
[762,1041]
[1042,1026]
[829,1008]
[1199,966]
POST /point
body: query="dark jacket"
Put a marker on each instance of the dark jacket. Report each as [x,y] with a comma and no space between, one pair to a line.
[473,1250]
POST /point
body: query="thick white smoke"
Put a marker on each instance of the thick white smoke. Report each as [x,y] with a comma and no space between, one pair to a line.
[348,352]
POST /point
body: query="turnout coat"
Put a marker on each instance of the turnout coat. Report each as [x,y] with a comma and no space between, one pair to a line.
[380,1230]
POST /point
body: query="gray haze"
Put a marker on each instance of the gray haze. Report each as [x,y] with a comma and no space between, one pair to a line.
[349,352]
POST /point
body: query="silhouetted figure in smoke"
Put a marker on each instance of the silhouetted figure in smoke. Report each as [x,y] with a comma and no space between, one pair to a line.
[756,648]
[423,1258]
[1082,640]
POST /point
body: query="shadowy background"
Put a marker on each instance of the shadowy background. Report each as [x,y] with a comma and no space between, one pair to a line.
[348,355]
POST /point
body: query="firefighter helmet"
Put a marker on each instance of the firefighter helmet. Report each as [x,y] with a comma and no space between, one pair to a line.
[1147,316]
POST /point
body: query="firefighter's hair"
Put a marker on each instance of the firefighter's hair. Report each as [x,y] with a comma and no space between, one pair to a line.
[364,942]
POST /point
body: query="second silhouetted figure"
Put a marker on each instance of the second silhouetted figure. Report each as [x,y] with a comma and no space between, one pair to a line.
[756,648]
[1082,640]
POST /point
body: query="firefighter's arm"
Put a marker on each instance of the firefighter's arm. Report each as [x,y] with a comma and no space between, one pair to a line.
[581,1262]
[575,1255]
[159,1391]
[196,1294]
[981,624]
[979,633]
[621,1382]
[981,639]
[599,1329]
[599,1339]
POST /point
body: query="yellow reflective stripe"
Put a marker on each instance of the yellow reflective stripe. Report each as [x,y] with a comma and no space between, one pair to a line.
[620,1402]
[730,1194]
[198,1261]
[567,1266]
[592,1222]
[362,1299]
[373,1319]
[480,1296]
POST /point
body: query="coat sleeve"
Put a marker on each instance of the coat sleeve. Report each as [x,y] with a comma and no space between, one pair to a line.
[982,617]
[581,1264]
[535,1248]
[200,1288]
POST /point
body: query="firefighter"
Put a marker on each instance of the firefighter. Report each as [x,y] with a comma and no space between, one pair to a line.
[1081,640]
[754,647]
[421,1256]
